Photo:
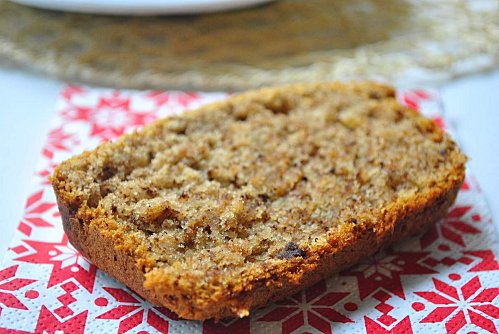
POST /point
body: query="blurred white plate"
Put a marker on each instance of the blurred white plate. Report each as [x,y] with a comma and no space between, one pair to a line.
[141,7]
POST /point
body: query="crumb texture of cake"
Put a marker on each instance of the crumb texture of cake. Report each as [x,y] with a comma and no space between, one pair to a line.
[219,210]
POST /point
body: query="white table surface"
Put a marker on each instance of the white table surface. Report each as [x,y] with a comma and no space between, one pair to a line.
[27,103]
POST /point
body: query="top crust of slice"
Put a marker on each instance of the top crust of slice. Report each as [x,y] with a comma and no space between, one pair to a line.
[223,208]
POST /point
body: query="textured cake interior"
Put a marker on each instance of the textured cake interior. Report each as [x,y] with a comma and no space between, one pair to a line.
[261,179]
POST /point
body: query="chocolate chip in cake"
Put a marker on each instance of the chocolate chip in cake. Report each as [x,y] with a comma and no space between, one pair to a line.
[291,250]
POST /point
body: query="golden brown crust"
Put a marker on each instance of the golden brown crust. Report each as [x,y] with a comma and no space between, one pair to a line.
[90,242]
[116,250]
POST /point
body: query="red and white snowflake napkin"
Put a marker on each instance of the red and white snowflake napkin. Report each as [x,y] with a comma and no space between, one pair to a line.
[445,281]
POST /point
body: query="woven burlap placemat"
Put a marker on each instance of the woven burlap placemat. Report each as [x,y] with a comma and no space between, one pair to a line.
[284,41]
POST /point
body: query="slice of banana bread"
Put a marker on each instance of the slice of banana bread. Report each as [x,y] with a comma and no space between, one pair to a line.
[219,210]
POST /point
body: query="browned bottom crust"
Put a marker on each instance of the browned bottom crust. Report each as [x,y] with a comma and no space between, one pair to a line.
[414,218]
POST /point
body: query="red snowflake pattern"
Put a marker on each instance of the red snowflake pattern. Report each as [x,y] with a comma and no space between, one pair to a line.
[487,260]
[34,209]
[452,228]
[470,303]
[68,294]
[173,99]
[66,262]
[133,311]
[312,309]
[70,91]
[9,284]
[49,323]
[58,140]
[110,117]
[402,327]
[383,271]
